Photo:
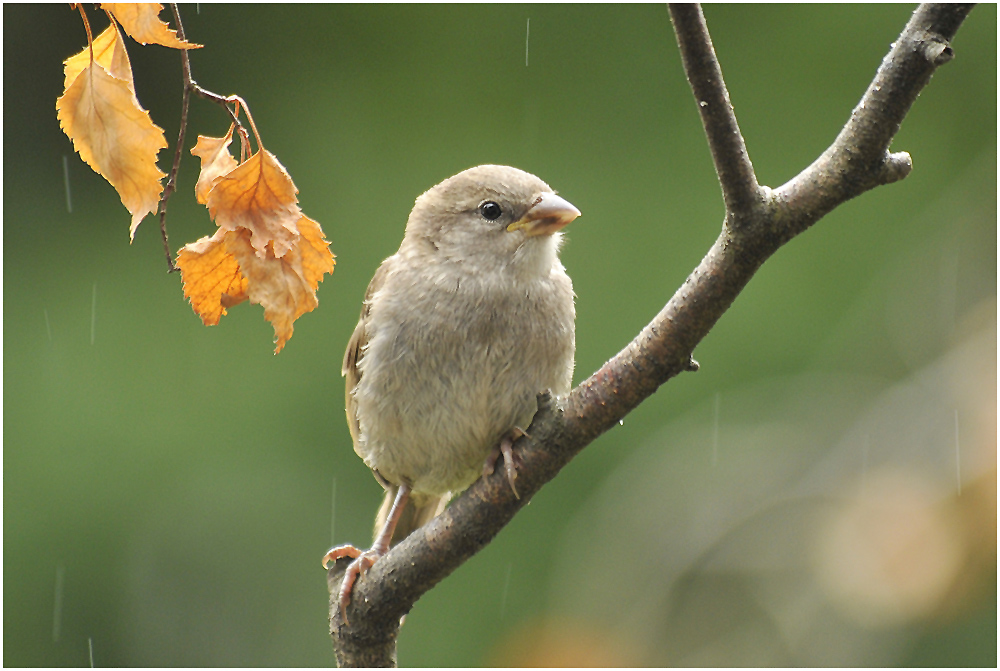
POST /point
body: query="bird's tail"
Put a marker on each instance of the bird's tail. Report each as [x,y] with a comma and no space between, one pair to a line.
[420,510]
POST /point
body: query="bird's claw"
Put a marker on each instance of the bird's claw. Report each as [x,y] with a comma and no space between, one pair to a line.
[340,552]
[363,560]
[511,458]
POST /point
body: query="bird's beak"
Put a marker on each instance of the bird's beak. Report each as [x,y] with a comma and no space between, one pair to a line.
[549,214]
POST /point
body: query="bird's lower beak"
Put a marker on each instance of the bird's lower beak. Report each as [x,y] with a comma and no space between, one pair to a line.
[549,214]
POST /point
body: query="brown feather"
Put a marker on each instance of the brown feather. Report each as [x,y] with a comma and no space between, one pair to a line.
[353,355]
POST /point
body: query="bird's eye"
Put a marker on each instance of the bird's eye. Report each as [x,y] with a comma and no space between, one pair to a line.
[490,210]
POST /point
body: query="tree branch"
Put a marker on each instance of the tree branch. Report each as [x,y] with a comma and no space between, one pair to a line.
[758,222]
[859,159]
[740,191]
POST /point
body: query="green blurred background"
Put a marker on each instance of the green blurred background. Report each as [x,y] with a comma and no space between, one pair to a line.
[822,492]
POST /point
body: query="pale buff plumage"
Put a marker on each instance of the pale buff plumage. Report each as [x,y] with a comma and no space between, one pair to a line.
[460,330]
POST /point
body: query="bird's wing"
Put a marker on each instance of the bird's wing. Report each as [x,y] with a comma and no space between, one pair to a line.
[354,351]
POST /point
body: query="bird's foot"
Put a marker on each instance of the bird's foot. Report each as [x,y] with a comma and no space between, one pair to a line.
[511,459]
[363,560]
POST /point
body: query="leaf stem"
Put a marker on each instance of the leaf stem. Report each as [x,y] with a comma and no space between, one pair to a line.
[86,26]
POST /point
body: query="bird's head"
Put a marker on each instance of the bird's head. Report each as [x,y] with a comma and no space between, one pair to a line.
[490,217]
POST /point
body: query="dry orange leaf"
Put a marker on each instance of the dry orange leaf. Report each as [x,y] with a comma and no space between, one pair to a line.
[314,256]
[265,249]
[142,22]
[115,136]
[216,161]
[259,196]
[225,269]
[285,286]
[109,53]
[212,277]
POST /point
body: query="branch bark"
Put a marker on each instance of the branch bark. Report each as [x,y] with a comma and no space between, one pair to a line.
[758,222]
[740,190]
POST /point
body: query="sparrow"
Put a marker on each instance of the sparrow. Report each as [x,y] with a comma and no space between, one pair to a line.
[460,330]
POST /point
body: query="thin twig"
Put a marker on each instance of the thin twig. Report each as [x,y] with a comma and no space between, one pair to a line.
[740,190]
[218,99]
[190,86]
[171,185]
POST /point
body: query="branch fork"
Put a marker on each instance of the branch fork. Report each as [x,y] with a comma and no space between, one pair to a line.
[759,220]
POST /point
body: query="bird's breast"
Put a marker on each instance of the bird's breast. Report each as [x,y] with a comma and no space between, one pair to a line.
[450,368]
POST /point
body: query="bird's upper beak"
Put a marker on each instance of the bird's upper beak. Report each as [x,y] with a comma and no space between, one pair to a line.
[549,214]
